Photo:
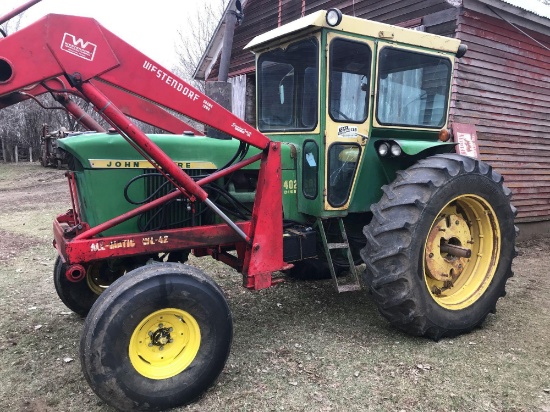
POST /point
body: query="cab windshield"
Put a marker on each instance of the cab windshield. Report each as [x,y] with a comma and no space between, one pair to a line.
[288,88]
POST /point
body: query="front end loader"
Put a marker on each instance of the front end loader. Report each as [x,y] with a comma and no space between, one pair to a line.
[351,162]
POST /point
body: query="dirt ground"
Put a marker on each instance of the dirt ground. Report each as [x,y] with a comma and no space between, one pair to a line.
[297,346]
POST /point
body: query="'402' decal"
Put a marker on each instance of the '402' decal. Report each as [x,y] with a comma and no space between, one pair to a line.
[289,187]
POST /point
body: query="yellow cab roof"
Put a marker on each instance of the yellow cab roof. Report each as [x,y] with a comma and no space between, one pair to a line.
[358,26]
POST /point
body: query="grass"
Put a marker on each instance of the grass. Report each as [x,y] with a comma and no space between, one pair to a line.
[10,173]
[298,346]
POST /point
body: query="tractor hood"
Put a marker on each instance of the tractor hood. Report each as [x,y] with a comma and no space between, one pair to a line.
[112,151]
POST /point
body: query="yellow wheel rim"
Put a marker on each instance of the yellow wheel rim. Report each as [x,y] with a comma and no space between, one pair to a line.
[461,252]
[164,343]
[96,279]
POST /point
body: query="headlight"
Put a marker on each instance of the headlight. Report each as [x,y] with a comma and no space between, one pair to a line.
[395,150]
[383,149]
[334,17]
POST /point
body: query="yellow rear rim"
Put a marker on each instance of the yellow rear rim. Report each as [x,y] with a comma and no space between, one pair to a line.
[99,277]
[93,280]
[466,226]
[164,343]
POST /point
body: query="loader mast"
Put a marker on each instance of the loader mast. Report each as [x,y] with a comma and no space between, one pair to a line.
[92,62]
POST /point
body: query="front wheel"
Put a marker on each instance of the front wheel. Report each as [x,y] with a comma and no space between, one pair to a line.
[440,246]
[157,338]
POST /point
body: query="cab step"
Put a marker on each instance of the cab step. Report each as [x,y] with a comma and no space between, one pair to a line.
[342,244]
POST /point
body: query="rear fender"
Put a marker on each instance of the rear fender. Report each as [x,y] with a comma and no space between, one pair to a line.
[424,148]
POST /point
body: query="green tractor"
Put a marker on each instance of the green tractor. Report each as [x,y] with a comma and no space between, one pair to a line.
[369,175]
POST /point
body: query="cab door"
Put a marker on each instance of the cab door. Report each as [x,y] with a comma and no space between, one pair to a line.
[348,111]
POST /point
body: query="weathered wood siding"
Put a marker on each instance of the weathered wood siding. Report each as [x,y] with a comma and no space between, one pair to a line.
[263,15]
[502,86]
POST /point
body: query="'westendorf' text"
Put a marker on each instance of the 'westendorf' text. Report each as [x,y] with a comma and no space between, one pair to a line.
[171,81]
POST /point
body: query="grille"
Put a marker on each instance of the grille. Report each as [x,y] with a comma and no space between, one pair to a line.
[173,214]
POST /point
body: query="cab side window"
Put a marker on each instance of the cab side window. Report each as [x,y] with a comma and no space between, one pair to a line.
[413,88]
[350,64]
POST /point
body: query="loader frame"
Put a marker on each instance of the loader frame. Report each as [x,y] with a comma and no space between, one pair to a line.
[86,60]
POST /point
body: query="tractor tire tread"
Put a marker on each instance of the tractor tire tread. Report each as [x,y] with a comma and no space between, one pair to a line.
[387,254]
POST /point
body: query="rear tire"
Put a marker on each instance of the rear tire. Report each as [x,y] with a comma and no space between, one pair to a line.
[167,305]
[440,201]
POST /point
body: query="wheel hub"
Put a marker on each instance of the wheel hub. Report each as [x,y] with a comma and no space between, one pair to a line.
[161,336]
[447,247]
[461,252]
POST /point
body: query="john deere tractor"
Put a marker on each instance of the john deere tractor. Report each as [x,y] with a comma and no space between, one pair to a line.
[352,162]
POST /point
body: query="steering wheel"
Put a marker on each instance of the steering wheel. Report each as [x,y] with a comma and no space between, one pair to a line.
[341,115]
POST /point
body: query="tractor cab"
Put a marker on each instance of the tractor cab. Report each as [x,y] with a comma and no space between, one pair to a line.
[359,100]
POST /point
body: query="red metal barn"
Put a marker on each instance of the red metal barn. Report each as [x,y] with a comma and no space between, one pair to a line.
[502,85]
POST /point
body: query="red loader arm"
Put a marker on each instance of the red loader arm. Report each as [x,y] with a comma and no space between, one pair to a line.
[146,111]
[97,63]
[88,54]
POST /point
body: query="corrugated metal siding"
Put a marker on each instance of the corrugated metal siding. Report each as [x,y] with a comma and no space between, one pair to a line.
[532,6]
[502,86]
[262,16]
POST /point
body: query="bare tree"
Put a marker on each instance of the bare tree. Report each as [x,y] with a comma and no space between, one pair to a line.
[12,25]
[194,39]
[21,124]
[11,113]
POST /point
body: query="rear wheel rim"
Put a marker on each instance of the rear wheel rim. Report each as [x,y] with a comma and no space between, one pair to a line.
[99,277]
[164,343]
[469,223]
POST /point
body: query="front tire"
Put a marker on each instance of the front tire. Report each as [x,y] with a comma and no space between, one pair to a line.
[157,338]
[440,246]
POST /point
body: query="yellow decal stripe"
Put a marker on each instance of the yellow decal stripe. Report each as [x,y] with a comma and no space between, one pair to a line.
[144,164]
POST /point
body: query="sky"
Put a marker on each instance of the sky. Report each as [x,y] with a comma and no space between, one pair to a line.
[149,26]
